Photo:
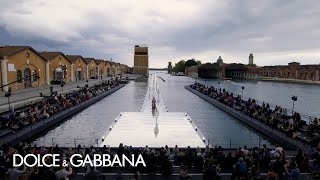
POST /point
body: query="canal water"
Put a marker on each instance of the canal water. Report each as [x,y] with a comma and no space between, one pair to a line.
[218,127]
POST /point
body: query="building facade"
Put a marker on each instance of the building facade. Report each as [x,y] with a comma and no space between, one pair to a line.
[221,70]
[292,71]
[79,67]
[22,67]
[101,68]
[141,60]
[59,66]
[92,68]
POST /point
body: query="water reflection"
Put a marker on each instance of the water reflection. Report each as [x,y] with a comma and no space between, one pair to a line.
[156,115]
[217,126]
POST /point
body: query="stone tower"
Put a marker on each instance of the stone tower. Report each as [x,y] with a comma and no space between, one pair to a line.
[141,60]
[169,68]
[250,59]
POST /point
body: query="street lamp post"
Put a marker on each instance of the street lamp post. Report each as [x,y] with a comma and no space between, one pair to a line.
[62,84]
[8,94]
[51,90]
[293,98]
[242,88]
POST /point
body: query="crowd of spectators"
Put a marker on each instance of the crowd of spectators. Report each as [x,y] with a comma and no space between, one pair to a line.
[243,163]
[276,117]
[51,105]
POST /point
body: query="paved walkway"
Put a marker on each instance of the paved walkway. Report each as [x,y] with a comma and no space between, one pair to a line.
[27,96]
[153,91]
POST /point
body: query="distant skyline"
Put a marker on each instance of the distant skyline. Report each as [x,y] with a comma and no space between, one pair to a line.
[276,32]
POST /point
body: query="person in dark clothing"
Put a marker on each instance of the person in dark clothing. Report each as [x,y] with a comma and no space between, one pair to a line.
[166,168]
[93,174]
[198,162]
[278,167]
[210,173]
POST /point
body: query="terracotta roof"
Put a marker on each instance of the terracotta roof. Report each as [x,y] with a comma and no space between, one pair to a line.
[309,66]
[88,60]
[52,55]
[98,61]
[12,50]
[74,58]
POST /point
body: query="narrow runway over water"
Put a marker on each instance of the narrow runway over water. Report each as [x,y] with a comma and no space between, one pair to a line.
[154,127]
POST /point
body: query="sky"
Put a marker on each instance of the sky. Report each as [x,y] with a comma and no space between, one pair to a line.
[275,31]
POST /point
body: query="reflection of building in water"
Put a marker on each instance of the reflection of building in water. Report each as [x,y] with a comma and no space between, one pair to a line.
[141,60]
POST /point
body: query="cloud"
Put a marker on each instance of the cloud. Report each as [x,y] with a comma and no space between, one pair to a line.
[277,32]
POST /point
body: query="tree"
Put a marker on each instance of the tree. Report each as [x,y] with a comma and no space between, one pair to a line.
[191,62]
[180,66]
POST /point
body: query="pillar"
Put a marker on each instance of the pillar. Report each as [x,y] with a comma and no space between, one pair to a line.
[87,70]
[296,74]
[4,73]
[71,73]
[47,72]
[317,75]
[98,73]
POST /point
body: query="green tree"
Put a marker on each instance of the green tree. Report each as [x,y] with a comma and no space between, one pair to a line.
[180,66]
[191,62]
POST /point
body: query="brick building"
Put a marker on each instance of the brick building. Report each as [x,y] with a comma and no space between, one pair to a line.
[59,66]
[141,60]
[79,67]
[292,71]
[22,67]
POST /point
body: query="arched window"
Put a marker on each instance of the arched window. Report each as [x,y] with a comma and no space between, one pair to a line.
[35,76]
[19,76]
[27,79]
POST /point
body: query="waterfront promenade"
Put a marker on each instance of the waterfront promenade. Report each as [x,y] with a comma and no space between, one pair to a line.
[27,96]
[275,130]
[54,110]
[166,163]
[286,80]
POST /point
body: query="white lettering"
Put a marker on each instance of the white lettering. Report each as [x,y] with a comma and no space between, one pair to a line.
[116,160]
[124,159]
[15,162]
[97,158]
[140,160]
[35,160]
[87,160]
[106,158]
[56,159]
[44,160]
[78,161]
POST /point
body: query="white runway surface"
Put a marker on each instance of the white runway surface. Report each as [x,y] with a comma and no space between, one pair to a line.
[155,129]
